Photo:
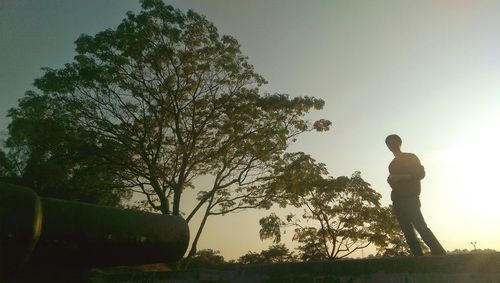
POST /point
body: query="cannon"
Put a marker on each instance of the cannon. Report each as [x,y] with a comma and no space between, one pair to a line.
[50,233]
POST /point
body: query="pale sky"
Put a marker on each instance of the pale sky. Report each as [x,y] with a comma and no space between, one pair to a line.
[426,70]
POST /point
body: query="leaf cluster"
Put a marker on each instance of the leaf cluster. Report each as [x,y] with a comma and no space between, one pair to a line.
[274,254]
[48,154]
[206,258]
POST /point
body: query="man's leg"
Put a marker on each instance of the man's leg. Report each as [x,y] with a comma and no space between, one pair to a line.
[425,232]
[401,213]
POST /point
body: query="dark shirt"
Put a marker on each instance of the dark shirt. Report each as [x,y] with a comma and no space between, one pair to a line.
[406,163]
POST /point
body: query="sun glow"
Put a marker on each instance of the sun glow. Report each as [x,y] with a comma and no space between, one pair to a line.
[473,167]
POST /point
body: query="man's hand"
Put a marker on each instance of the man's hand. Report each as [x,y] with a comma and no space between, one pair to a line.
[394,178]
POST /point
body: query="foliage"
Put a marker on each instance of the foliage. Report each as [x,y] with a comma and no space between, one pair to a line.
[5,165]
[344,211]
[474,251]
[206,258]
[48,154]
[274,254]
[391,240]
[167,100]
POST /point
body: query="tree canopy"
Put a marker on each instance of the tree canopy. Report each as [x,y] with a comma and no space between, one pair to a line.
[163,99]
[340,215]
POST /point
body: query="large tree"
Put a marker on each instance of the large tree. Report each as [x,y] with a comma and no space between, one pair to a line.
[340,216]
[170,100]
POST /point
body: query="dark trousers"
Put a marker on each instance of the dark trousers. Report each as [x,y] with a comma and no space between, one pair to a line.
[407,211]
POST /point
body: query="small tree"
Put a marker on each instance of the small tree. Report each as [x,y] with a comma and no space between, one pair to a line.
[274,254]
[250,258]
[206,258]
[345,211]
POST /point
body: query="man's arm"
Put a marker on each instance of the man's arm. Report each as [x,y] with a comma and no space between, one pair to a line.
[417,173]
[394,178]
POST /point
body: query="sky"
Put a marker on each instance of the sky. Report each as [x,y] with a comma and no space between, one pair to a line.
[426,70]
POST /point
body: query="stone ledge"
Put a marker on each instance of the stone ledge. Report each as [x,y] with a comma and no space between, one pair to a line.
[469,268]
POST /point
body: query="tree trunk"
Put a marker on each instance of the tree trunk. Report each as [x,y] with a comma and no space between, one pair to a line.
[163,200]
[193,249]
[200,204]
[177,200]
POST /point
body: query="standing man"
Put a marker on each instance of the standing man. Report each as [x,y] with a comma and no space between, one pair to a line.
[405,173]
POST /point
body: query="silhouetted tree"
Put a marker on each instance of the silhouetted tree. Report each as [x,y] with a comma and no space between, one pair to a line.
[250,258]
[476,251]
[458,251]
[205,258]
[274,254]
[47,152]
[169,100]
[340,216]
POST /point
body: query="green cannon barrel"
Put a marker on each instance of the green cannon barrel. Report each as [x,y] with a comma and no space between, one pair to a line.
[52,232]
[20,226]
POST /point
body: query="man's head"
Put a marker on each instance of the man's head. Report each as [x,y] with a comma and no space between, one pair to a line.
[393,142]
